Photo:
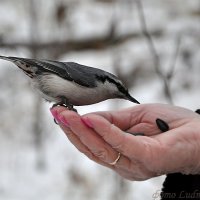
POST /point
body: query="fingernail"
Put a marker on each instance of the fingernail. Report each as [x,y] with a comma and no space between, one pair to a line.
[87,122]
[63,120]
[54,113]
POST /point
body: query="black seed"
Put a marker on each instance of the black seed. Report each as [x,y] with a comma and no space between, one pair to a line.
[198,111]
[136,134]
[162,125]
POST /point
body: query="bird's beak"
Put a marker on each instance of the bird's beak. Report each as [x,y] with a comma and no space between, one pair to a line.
[130,98]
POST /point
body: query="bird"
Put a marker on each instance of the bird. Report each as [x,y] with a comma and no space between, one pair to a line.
[71,84]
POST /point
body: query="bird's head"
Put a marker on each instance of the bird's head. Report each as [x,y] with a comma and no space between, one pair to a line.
[121,90]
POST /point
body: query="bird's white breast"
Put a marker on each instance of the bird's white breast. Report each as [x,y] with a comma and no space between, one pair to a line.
[51,87]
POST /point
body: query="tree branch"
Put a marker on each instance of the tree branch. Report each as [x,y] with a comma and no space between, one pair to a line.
[61,47]
[174,58]
[156,58]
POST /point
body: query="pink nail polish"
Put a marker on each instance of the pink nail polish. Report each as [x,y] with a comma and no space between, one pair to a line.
[54,113]
[63,120]
[87,122]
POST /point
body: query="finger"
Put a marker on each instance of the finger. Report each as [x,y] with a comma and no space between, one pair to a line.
[126,168]
[121,166]
[147,128]
[131,146]
[56,110]
[119,118]
[81,147]
[122,118]
[89,138]
[75,140]
[122,162]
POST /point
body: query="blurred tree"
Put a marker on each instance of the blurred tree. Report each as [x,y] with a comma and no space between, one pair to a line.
[57,29]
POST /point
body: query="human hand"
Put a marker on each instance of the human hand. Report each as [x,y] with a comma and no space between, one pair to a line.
[101,135]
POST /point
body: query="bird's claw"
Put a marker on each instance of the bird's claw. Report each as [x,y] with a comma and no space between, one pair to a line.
[69,106]
[55,121]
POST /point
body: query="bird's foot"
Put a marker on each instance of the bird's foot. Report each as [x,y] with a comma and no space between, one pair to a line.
[69,106]
[64,102]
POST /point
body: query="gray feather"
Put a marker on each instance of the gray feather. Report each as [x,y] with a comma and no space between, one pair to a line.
[80,74]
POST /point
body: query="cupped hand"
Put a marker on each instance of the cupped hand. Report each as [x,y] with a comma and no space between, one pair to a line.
[101,136]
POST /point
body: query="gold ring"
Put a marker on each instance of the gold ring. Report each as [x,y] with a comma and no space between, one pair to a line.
[116,160]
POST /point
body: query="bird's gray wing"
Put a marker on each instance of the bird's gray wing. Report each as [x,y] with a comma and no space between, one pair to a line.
[90,75]
[80,74]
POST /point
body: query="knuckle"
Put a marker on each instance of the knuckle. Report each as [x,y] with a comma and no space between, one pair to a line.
[106,131]
[122,146]
[118,141]
[87,153]
[101,154]
[69,133]
[90,156]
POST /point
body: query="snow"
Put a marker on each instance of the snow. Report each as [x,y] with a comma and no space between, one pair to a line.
[54,169]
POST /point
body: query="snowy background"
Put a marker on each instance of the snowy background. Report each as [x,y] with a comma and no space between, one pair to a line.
[36,160]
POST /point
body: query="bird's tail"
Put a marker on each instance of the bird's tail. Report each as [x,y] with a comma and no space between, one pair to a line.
[3,57]
[12,59]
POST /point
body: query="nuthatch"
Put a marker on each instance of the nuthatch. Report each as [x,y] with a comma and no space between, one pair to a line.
[71,84]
